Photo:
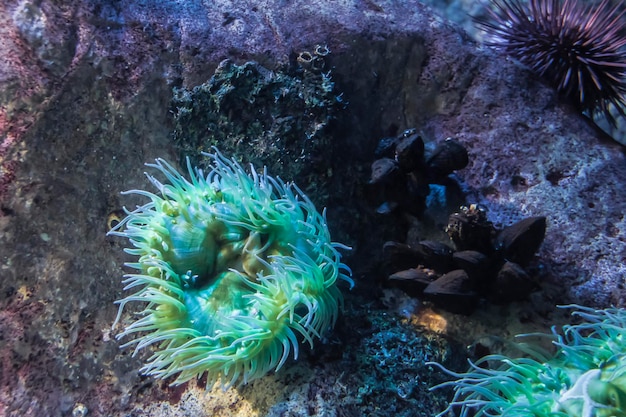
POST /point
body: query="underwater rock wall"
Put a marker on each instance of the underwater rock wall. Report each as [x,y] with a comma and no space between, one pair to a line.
[85,91]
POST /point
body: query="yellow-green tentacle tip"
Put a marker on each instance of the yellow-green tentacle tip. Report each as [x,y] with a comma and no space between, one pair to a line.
[235,270]
[586,377]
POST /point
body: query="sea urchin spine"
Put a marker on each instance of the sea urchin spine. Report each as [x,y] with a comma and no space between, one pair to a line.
[234,270]
[577,48]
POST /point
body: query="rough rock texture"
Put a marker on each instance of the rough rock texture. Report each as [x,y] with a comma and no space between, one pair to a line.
[85,90]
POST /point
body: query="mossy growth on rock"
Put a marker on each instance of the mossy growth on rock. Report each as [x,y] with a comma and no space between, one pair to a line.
[277,118]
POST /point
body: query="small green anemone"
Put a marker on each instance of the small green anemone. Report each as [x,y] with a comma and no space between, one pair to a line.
[586,377]
[235,269]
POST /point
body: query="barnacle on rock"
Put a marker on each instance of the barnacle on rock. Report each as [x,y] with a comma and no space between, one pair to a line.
[235,270]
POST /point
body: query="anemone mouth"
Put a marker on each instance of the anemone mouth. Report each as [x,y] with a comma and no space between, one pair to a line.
[236,269]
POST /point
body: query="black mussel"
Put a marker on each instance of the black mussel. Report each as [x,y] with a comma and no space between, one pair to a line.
[511,284]
[415,193]
[476,264]
[447,157]
[519,242]
[410,152]
[417,185]
[453,291]
[400,255]
[384,170]
[386,146]
[435,255]
[469,229]
[453,282]
[418,278]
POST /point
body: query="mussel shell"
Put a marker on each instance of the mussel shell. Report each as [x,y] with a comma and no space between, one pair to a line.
[417,278]
[447,157]
[386,147]
[511,284]
[417,185]
[414,274]
[384,170]
[435,255]
[454,282]
[453,291]
[414,198]
[400,255]
[519,242]
[476,264]
[410,152]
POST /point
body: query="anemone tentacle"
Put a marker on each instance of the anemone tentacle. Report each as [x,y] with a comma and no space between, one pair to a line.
[234,268]
[586,377]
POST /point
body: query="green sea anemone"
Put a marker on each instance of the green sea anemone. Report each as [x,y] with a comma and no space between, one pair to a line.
[586,377]
[235,270]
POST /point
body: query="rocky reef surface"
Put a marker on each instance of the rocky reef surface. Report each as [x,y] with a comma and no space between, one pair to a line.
[86,92]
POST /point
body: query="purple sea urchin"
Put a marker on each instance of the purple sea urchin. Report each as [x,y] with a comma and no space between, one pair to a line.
[235,268]
[577,48]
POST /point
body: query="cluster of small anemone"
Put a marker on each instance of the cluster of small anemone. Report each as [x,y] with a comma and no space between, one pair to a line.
[234,269]
[586,377]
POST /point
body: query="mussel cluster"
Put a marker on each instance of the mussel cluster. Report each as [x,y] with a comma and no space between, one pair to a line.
[404,171]
[484,263]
